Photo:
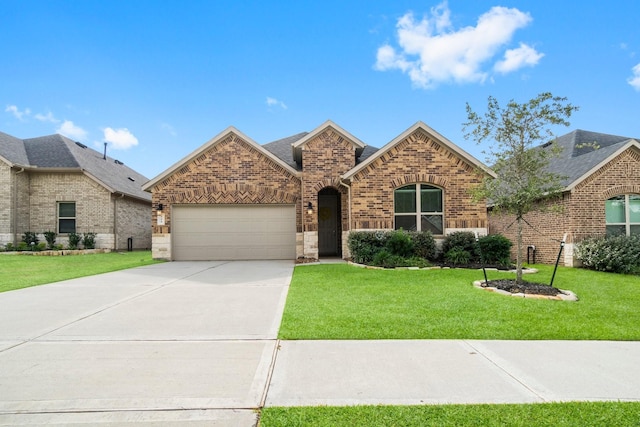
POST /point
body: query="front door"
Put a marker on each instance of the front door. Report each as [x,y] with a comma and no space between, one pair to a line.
[329,233]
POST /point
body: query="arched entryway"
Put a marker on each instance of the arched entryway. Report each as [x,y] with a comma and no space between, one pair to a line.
[329,223]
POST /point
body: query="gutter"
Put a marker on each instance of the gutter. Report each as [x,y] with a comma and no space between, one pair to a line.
[15,205]
[349,193]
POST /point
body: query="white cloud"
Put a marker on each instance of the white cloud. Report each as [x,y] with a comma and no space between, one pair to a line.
[120,139]
[68,129]
[515,59]
[47,117]
[431,51]
[634,80]
[170,129]
[272,102]
[16,112]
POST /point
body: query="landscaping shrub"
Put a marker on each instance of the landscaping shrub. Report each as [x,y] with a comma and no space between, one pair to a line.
[30,238]
[495,249]
[400,244]
[457,256]
[386,259]
[9,247]
[89,240]
[463,241]
[74,240]
[50,237]
[22,246]
[364,245]
[41,246]
[424,244]
[616,254]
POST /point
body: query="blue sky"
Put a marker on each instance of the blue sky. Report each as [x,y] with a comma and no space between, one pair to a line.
[156,80]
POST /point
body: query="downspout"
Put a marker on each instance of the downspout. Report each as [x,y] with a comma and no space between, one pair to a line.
[115,221]
[15,206]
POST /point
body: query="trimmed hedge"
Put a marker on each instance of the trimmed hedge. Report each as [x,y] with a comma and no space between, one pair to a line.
[616,254]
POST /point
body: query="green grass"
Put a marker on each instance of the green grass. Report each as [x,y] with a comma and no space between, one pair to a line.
[548,414]
[22,271]
[345,302]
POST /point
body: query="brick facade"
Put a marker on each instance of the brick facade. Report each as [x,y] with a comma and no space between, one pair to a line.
[580,212]
[230,169]
[32,205]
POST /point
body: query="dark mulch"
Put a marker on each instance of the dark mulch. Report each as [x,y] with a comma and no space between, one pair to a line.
[510,285]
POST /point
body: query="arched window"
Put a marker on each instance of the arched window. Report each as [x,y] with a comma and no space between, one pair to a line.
[623,215]
[418,207]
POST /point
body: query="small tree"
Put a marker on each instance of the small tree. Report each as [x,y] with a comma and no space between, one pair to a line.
[522,176]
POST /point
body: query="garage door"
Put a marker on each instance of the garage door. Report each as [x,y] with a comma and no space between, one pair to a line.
[233,232]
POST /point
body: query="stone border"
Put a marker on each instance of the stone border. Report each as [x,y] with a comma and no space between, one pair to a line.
[564,296]
[62,252]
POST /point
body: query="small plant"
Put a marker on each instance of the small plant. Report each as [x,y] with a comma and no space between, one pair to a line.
[9,247]
[364,245]
[495,249]
[50,237]
[58,247]
[89,240]
[616,254]
[424,244]
[457,256]
[400,244]
[40,246]
[462,240]
[30,237]
[74,240]
[23,246]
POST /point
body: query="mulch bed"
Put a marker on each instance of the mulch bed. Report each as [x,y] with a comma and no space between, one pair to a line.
[510,285]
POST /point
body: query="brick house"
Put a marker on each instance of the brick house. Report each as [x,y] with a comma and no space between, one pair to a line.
[301,196]
[601,196]
[52,183]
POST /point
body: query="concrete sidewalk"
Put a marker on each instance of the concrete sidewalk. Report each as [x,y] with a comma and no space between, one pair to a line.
[453,371]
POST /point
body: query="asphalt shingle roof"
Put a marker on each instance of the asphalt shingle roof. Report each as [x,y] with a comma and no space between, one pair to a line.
[582,151]
[57,151]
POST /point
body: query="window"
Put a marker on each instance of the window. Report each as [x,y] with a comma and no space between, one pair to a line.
[623,215]
[418,207]
[66,217]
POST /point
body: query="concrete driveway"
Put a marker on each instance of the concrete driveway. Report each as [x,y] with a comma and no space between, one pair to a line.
[182,343]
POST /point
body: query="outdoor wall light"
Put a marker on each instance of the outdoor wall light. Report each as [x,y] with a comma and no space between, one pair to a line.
[160,206]
[309,208]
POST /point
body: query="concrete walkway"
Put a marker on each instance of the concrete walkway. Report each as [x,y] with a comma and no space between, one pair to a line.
[194,343]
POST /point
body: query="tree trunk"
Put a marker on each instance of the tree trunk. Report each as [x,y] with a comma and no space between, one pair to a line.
[519,252]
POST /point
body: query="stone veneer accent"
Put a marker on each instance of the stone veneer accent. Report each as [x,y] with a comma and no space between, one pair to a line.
[580,212]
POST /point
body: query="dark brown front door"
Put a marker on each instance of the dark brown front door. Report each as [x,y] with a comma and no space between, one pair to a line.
[329,230]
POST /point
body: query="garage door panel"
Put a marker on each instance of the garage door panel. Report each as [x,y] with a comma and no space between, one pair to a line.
[223,232]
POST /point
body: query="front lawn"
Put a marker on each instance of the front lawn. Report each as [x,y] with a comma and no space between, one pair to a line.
[547,414]
[338,301]
[22,271]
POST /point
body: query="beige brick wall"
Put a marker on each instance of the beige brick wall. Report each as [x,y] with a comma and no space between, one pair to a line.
[582,212]
[417,159]
[133,219]
[14,203]
[6,200]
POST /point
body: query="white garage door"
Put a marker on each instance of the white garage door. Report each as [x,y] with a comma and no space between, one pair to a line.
[233,232]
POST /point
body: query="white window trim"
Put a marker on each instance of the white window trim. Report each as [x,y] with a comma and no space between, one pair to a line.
[627,215]
[418,214]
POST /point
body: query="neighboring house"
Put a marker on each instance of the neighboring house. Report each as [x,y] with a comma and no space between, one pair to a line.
[301,196]
[52,183]
[601,196]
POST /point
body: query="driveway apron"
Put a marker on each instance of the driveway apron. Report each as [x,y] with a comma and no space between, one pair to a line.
[180,343]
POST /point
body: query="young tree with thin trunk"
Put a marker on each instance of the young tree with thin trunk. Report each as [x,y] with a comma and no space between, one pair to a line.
[514,132]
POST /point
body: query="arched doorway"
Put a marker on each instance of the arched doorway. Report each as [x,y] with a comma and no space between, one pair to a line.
[329,223]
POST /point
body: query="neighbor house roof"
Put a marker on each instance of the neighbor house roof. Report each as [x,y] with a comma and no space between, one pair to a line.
[59,153]
[583,152]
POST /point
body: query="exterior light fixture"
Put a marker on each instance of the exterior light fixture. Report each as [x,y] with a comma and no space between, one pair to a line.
[160,206]
[309,208]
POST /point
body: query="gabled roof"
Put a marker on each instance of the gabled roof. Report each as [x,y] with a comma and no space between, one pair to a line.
[56,152]
[282,148]
[584,152]
[297,146]
[211,143]
[432,134]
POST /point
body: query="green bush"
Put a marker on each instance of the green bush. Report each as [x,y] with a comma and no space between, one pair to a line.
[50,236]
[400,244]
[386,259]
[424,244]
[364,245]
[74,240]
[41,246]
[457,256]
[30,237]
[495,249]
[616,254]
[23,246]
[89,240]
[9,247]
[462,241]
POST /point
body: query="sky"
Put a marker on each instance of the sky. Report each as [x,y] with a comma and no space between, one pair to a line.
[158,79]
